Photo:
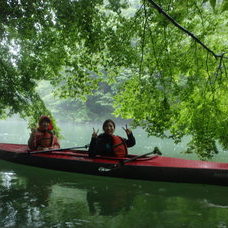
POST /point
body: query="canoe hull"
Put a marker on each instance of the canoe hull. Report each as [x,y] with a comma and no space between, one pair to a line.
[153,169]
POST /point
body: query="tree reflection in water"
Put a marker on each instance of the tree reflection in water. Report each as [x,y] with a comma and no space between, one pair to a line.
[21,200]
[107,200]
[33,197]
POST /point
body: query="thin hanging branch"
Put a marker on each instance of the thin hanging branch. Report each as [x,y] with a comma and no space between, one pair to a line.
[143,39]
[160,10]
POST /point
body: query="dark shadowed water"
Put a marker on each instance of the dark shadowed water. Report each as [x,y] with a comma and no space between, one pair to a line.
[34,197]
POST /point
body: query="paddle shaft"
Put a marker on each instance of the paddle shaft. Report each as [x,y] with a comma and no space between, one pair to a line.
[122,163]
[135,158]
[59,149]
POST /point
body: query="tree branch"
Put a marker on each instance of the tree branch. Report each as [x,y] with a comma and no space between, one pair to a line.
[160,10]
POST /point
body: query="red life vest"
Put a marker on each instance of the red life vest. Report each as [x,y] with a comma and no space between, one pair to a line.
[41,139]
[44,139]
[119,146]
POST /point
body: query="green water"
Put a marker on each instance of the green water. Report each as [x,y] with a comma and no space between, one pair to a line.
[34,197]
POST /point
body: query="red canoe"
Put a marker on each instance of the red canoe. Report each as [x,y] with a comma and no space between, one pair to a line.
[155,167]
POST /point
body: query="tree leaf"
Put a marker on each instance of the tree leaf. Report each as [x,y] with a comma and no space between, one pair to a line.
[225,5]
[213,3]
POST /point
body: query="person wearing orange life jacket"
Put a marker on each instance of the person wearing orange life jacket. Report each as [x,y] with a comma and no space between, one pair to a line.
[43,137]
[108,144]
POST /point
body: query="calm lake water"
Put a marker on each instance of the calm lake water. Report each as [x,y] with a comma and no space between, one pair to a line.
[35,197]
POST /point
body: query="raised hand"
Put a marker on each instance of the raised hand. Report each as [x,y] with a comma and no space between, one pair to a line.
[127,130]
[95,133]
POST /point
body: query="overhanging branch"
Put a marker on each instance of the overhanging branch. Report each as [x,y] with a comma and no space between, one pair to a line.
[160,10]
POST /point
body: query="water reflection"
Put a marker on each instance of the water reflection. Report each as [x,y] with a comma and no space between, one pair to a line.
[108,200]
[21,200]
[33,197]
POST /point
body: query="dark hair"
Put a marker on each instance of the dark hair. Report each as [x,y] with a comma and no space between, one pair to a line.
[44,119]
[107,121]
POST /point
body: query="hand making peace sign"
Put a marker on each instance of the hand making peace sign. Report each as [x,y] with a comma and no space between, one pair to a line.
[95,133]
[127,130]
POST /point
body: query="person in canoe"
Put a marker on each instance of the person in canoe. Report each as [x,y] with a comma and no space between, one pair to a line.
[108,144]
[43,137]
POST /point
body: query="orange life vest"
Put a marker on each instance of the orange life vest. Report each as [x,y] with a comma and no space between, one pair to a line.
[119,146]
[44,139]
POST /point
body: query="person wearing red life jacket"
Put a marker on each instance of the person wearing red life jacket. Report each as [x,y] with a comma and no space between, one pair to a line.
[43,137]
[108,144]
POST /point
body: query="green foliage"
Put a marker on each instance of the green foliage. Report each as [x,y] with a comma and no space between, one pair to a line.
[180,91]
[213,3]
[163,80]
[225,5]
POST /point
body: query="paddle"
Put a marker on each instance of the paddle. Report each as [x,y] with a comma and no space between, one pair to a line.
[122,163]
[59,149]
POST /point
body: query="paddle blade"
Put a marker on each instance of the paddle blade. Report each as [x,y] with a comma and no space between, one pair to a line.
[157,151]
